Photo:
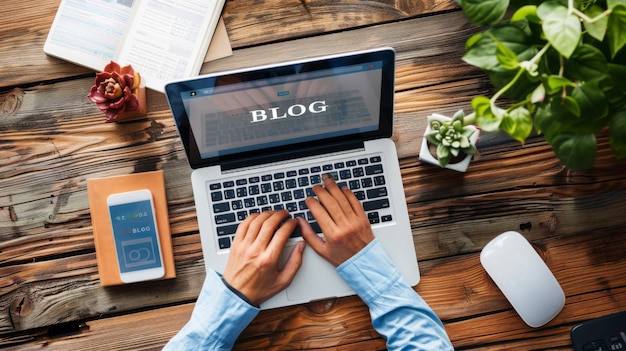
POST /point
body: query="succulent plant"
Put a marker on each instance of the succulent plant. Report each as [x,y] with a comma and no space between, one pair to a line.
[115,90]
[452,137]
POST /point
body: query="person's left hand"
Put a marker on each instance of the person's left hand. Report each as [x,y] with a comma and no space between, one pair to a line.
[253,265]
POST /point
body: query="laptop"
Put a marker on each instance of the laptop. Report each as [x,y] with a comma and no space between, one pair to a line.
[259,138]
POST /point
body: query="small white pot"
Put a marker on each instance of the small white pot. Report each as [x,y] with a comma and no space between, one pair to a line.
[426,156]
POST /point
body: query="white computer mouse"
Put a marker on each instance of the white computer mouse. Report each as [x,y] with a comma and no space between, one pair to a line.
[526,281]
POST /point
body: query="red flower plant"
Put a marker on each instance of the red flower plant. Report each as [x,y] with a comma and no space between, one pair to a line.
[115,90]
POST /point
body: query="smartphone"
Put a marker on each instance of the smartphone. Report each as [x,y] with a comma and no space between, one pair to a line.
[136,236]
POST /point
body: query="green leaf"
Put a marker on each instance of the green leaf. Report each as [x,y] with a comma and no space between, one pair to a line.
[587,63]
[481,105]
[457,125]
[468,132]
[552,118]
[544,120]
[617,29]
[528,12]
[554,84]
[431,137]
[618,74]
[485,118]
[571,105]
[592,106]
[598,28]
[482,53]
[562,29]
[472,40]
[614,87]
[538,95]
[443,155]
[576,151]
[524,85]
[571,138]
[464,142]
[484,12]
[472,149]
[460,115]
[617,133]
[612,3]
[518,124]
[506,57]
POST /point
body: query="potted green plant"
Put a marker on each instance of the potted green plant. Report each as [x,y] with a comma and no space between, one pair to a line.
[449,142]
[561,65]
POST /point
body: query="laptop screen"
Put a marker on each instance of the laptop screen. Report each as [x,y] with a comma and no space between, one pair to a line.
[244,113]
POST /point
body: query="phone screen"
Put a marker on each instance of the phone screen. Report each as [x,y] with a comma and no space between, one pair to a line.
[135,233]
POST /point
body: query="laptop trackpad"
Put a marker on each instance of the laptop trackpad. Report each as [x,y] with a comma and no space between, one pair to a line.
[316,279]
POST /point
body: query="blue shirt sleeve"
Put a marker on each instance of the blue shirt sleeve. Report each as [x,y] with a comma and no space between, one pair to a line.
[218,318]
[398,313]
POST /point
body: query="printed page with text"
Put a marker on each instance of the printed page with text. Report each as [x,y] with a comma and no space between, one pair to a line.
[89,32]
[169,39]
[162,40]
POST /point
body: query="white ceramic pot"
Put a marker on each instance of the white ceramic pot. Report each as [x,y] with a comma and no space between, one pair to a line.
[426,156]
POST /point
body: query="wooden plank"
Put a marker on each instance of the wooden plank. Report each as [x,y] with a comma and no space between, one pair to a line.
[443,225]
[428,49]
[279,20]
[24,29]
[51,196]
[589,266]
[52,135]
[78,150]
[24,109]
[436,234]
[71,271]
[52,205]
[499,193]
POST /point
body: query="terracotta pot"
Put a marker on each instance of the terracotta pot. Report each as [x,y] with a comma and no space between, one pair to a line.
[141,111]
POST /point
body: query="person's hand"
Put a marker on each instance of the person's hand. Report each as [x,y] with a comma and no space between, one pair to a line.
[253,265]
[340,215]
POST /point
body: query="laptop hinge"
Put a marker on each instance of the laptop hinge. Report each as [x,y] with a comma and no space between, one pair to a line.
[313,150]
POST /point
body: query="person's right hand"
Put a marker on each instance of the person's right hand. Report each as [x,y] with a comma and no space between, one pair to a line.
[253,264]
[342,219]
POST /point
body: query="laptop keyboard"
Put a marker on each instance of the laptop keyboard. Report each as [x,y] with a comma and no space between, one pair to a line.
[234,200]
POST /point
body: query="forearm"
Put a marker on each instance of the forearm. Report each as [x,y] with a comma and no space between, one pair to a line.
[217,319]
[398,313]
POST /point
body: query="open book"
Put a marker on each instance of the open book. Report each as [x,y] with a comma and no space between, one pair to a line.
[162,40]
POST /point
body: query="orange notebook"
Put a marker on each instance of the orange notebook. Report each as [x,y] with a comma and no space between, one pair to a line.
[99,189]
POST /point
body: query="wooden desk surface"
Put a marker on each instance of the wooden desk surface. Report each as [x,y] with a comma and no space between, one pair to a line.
[52,139]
